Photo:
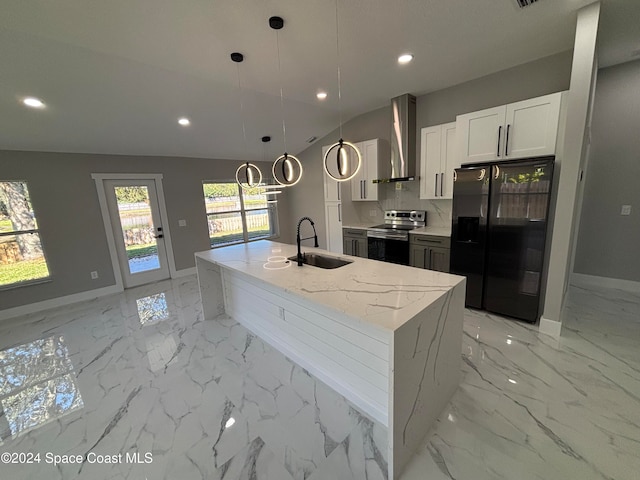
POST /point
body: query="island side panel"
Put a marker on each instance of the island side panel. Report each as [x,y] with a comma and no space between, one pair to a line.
[425,373]
[210,281]
[344,357]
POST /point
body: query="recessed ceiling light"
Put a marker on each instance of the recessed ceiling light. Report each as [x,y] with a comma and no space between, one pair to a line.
[184,121]
[321,95]
[406,58]
[33,102]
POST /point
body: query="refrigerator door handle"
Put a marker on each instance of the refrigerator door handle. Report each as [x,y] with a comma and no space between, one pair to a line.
[499,136]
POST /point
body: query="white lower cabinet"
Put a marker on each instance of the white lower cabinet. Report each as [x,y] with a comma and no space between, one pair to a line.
[333,226]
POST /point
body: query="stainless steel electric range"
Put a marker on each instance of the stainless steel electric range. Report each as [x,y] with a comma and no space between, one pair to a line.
[389,242]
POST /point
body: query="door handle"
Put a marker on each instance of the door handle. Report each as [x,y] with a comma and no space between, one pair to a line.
[441,183]
[424,258]
[506,142]
[435,187]
[158,236]
[338,188]
[361,188]
[364,188]
[499,135]
[339,213]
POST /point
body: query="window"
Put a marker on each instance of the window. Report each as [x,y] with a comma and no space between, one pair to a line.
[21,257]
[235,215]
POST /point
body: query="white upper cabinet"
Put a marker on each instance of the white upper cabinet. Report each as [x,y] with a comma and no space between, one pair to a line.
[522,129]
[362,186]
[331,187]
[532,127]
[438,160]
[480,135]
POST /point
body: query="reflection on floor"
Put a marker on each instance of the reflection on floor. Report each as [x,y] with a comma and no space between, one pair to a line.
[141,372]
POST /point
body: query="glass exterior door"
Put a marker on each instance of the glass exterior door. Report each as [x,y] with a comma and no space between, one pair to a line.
[138,231]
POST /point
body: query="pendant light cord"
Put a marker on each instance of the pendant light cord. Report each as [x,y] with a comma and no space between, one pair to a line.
[244,131]
[338,62]
[284,128]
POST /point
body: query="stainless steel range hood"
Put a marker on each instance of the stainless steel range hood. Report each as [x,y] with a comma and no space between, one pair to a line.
[401,167]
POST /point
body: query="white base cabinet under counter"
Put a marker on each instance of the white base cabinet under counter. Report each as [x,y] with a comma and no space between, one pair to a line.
[387,337]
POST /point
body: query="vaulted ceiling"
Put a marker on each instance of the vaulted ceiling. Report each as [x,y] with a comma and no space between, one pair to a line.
[115,76]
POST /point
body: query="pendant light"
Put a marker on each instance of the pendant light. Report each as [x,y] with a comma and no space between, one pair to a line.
[248,175]
[269,189]
[344,153]
[286,169]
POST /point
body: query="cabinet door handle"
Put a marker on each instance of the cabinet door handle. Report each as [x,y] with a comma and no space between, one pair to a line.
[364,188]
[441,184]
[339,213]
[435,187]
[424,258]
[499,136]
[338,188]
[431,259]
[357,249]
[506,142]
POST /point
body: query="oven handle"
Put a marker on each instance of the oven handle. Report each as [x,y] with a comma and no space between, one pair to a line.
[386,236]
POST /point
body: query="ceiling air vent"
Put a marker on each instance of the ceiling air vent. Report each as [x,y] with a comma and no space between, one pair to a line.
[525,3]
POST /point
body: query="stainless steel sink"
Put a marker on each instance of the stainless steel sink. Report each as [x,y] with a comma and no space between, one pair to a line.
[322,261]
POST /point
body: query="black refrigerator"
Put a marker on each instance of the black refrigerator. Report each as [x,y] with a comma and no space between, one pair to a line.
[499,226]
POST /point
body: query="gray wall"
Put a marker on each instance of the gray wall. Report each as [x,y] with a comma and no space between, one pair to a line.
[607,244]
[540,77]
[65,200]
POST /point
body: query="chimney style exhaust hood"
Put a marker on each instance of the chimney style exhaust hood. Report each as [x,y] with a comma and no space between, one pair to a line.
[401,167]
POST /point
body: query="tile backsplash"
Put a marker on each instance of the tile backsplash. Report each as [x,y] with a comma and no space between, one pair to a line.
[408,198]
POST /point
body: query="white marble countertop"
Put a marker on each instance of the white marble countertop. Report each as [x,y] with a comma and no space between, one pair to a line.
[381,294]
[435,231]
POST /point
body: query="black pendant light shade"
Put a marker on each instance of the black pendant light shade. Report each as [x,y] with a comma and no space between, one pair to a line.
[287,170]
[248,175]
[342,161]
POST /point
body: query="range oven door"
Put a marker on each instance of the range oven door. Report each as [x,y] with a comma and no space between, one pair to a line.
[393,250]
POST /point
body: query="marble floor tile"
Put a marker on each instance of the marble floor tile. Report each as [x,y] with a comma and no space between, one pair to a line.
[142,373]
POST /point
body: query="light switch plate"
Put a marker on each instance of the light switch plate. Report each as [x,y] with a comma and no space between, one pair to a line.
[182,223]
[626,210]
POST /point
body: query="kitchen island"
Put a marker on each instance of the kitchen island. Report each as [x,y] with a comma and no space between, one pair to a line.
[386,337]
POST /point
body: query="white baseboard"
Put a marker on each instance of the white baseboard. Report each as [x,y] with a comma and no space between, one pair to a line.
[550,327]
[582,280]
[185,272]
[58,302]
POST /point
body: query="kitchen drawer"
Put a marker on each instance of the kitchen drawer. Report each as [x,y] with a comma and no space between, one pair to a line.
[432,241]
[352,232]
